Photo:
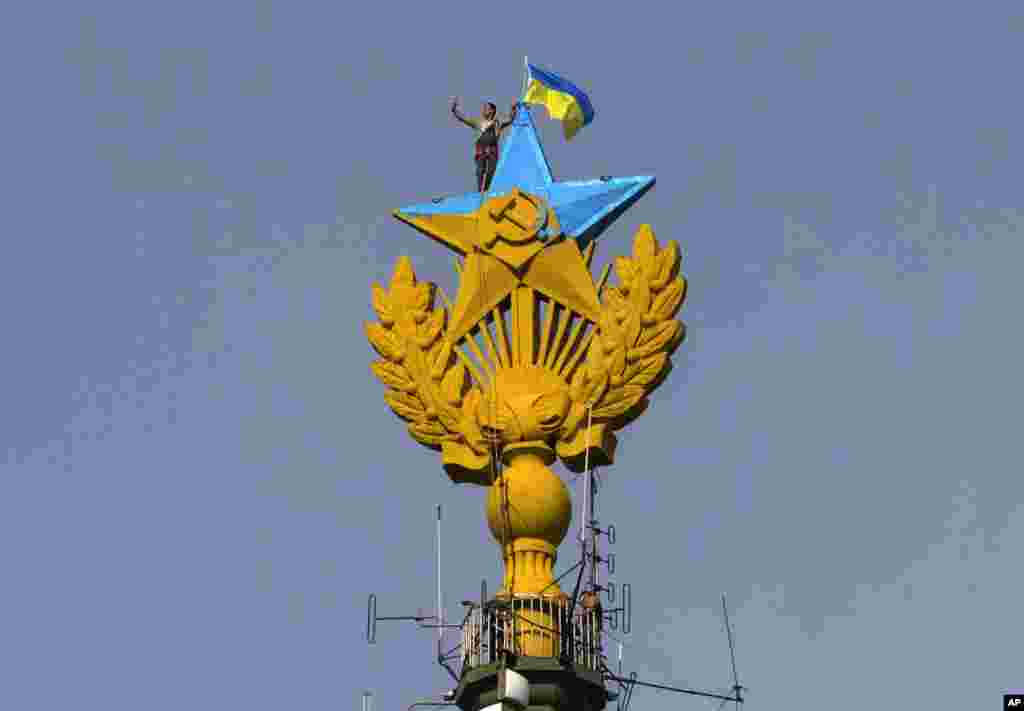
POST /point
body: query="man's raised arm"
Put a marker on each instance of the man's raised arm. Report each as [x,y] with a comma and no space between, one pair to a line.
[457,114]
[511,117]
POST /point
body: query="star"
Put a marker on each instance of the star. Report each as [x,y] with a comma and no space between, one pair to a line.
[525,207]
[558,272]
[585,208]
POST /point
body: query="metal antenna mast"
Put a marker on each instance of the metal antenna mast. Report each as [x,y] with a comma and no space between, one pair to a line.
[440,599]
[592,524]
[736,688]
[427,621]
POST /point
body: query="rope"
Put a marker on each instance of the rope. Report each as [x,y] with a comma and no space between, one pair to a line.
[494,439]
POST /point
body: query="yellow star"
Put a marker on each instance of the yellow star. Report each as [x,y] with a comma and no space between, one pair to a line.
[509,241]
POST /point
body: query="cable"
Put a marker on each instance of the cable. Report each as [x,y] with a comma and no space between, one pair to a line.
[559,578]
[690,692]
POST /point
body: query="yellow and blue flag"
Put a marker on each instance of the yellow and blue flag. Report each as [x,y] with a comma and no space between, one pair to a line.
[563,99]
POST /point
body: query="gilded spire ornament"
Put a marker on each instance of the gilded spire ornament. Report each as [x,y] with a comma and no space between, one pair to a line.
[535,361]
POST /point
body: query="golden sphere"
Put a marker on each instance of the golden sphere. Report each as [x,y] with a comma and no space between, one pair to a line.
[539,506]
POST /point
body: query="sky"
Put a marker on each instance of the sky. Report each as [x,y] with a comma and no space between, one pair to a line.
[200,483]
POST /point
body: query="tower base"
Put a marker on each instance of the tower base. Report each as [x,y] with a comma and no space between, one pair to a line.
[554,686]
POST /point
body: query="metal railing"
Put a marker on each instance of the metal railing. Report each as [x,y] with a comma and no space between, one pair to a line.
[532,625]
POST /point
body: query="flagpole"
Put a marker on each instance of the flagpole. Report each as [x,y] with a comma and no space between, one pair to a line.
[526,76]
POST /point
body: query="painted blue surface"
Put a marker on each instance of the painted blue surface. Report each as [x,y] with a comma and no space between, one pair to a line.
[522,162]
[585,208]
[454,205]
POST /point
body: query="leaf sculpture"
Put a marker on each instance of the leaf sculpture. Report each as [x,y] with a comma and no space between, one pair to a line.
[427,385]
[628,356]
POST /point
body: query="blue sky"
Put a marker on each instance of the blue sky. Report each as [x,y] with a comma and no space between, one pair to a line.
[200,482]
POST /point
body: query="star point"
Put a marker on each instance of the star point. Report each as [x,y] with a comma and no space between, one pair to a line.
[502,251]
[584,208]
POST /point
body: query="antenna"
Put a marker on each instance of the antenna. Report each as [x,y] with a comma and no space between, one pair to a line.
[627,608]
[372,618]
[595,557]
[592,524]
[442,656]
[440,600]
[736,688]
[435,620]
[631,682]
[629,691]
[584,510]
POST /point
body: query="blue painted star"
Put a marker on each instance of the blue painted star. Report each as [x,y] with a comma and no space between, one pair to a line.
[585,208]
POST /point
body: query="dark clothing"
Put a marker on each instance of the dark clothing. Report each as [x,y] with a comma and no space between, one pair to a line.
[488,138]
[486,155]
[485,165]
[486,151]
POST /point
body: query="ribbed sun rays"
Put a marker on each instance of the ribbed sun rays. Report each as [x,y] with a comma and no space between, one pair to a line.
[527,329]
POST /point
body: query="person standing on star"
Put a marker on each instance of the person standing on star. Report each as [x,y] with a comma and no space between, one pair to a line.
[489,129]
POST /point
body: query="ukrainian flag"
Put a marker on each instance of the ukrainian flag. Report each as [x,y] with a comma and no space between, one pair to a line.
[563,100]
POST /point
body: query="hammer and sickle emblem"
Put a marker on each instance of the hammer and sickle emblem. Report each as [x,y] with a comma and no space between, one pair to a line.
[515,227]
[529,213]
